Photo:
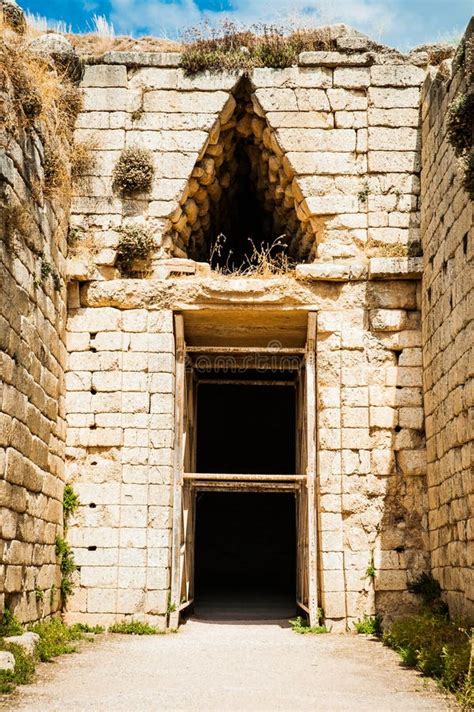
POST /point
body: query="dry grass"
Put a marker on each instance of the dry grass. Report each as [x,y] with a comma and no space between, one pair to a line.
[265,261]
[37,96]
[82,158]
[93,44]
[15,222]
[229,47]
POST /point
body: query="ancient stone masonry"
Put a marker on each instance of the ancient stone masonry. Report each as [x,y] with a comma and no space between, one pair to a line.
[447,228]
[33,230]
[323,157]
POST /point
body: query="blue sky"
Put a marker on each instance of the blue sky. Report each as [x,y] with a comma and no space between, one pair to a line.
[399,23]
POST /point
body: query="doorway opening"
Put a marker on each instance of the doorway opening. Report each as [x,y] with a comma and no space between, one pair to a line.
[247,428]
[245,555]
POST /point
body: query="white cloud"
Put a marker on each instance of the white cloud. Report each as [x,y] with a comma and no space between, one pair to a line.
[169,19]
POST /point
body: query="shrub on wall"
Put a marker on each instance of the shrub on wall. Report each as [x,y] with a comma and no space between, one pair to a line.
[135,243]
[468,172]
[134,171]
[459,122]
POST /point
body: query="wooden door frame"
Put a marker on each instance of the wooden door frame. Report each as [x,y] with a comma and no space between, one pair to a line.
[304,486]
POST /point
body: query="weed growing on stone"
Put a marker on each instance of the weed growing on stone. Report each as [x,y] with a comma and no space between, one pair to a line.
[459,122]
[134,171]
[135,628]
[135,243]
[302,626]
[70,502]
[270,259]
[67,567]
[86,628]
[467,163]
[14,223]
[230,47]
[9,625]
[369,625]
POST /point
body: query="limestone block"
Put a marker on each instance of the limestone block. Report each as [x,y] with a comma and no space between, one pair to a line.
[323,139]
[350,119]
[28,641]
[395,267]
[168,140]
[411,418]
[382,461]
[142,59]
[194,102]
[393,117]
[388,580]
[94,320]
[301,119]
[332,271]
[388,319]
[393,98]
[383,417]
[396,75]
[355,438]
[347,100]
[393,139]
[334,59]
[7,661]
[98,75]
[111,99]
[351,78]
[292,77]
[394,161]
[322,163]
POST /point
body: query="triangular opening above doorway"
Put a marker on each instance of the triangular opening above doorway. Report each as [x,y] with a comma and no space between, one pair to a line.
[239,204]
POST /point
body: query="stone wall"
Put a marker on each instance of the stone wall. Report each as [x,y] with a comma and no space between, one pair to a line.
[447,231]
[33,230]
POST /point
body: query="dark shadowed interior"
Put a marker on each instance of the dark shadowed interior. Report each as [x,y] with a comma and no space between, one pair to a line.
[245,555]
[246,429]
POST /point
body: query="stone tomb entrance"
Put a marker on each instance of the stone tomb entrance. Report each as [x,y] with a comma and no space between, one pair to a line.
[245,509]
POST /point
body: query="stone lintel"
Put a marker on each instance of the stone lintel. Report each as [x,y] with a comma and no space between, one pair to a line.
[138,59]
[395,268]
[335,59]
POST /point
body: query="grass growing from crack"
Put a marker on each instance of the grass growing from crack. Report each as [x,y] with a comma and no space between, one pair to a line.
[369,625]
[138,628]
[301,625]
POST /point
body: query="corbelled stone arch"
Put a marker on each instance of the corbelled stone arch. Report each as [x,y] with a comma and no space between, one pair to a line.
[241,195]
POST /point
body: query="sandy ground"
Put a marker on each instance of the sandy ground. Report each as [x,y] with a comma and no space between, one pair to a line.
[241,666]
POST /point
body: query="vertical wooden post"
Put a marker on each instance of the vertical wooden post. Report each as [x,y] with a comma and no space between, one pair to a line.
[310,373]
[177,472]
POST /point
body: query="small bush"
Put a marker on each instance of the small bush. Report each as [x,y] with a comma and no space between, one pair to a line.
[9,625]
[135,243]
[70,104]
[134,628]
[301,625]
[55,638]
[54,168]
[23,672]
[14,223]
[425,586]
[369,625]
[134,171]
[436,646]
[459,122]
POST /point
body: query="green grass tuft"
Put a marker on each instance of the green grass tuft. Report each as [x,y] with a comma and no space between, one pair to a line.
[134,628]
[369,625]
[56,638]
[302,626]
[9,625]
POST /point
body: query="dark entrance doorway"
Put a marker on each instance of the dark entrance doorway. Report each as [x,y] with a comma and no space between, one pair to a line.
[245,555]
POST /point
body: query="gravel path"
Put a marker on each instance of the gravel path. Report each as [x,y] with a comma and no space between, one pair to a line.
[236,667]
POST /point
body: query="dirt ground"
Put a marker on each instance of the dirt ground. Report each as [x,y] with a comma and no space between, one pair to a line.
[229,666]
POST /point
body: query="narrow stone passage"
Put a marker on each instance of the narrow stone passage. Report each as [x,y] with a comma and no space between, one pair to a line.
[230,667]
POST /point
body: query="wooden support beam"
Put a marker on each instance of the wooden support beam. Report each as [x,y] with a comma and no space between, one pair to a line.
[243,350]
[177,470]
[219,477]
[310,375]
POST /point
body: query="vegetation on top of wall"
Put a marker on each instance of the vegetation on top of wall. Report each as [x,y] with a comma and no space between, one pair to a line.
[134,170]
[135,243]
[229,47]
